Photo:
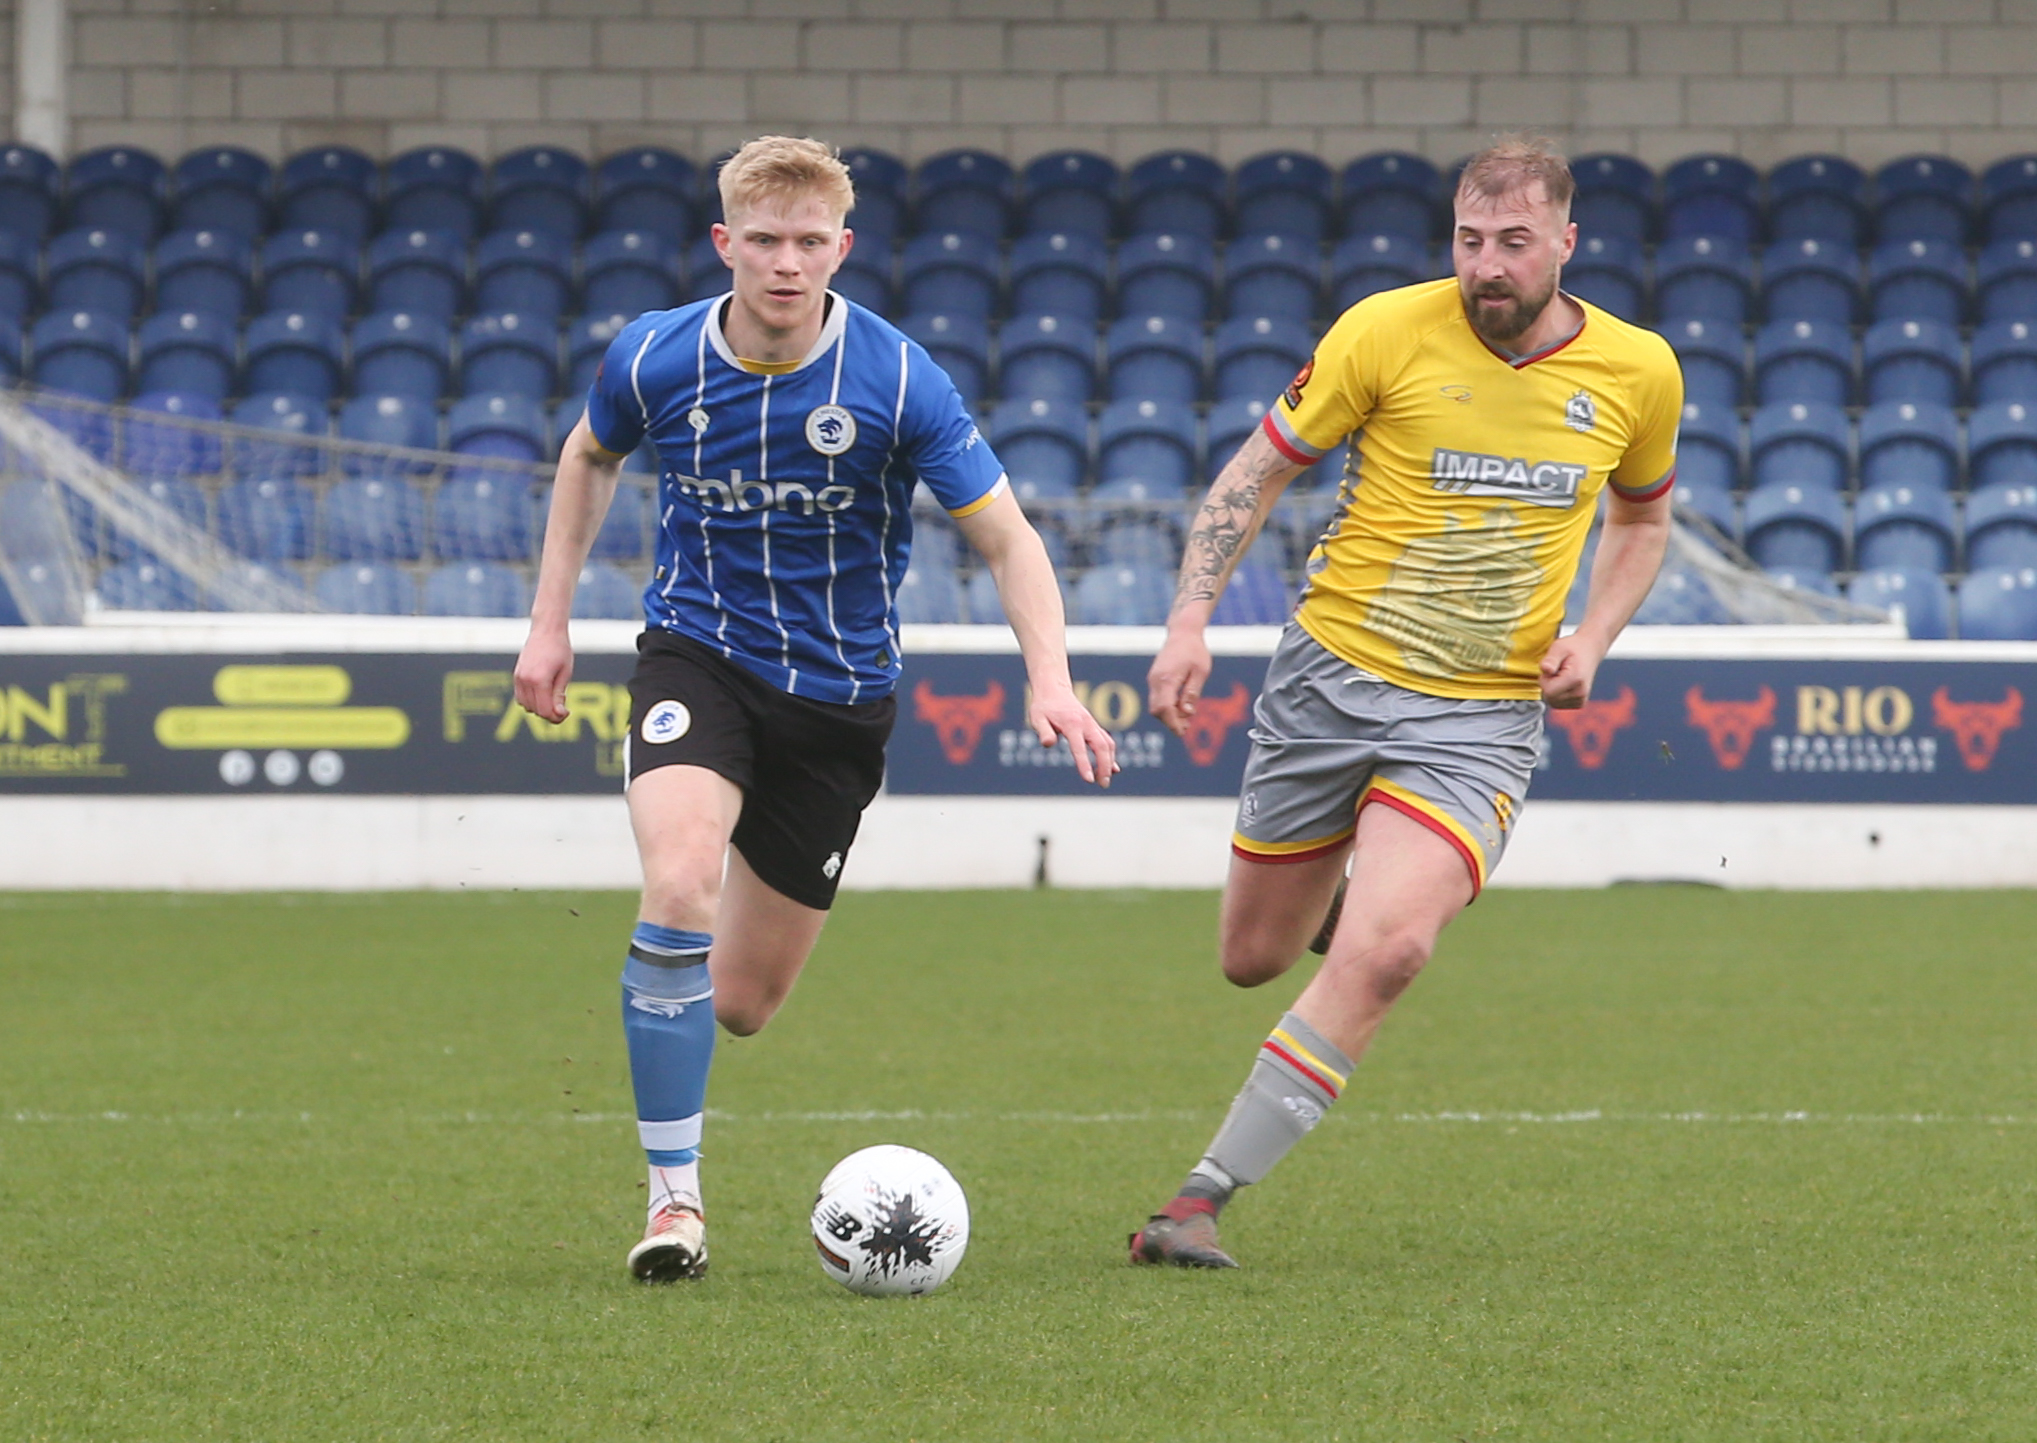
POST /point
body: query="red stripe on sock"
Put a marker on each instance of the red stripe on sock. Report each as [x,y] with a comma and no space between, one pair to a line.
[1302,1067]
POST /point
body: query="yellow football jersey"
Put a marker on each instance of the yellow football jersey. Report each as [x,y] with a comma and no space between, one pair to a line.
[1474,479]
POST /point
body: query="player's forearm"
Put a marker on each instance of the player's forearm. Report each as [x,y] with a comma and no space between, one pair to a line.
[1225,525]
[1032,605]
[1630,553]
[581,493]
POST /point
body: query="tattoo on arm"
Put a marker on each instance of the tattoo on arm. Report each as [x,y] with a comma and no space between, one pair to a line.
[1228,520]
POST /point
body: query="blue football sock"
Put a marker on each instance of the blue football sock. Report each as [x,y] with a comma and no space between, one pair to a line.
[668,1022]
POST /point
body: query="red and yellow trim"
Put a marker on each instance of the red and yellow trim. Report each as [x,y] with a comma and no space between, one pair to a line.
[1284,852]
[1285,445]
[1435,819]
[1282,1044]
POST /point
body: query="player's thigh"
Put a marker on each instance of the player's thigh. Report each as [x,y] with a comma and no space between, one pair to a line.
[764,940]
[682,817]
[817,768]
[1271,911]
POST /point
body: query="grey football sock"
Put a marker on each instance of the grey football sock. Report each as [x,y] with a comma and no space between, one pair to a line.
[1295,1078]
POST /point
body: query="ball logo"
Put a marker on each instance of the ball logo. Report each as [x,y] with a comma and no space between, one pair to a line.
[666,722]
[830,429]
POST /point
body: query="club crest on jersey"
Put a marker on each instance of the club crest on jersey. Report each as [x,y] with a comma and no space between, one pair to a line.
[697,419]
[667,722]
[830,429]
[1580,413]
[1539,483]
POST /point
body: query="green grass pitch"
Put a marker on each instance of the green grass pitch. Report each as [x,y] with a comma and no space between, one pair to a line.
[1650,1164]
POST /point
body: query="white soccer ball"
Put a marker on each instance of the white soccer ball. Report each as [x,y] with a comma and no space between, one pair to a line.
[890,1220]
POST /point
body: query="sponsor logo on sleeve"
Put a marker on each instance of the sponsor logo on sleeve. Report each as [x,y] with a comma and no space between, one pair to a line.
[1299,384]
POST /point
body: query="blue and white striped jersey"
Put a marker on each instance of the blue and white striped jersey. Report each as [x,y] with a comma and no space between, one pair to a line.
[784,492]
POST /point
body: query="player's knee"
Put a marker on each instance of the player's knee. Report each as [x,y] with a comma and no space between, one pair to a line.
[690,895]
[1393,962]
[1253,967]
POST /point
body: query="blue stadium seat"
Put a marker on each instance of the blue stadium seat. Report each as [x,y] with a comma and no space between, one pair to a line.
[604,593]
[191,352]
[1998,604]
[1818,197]
[1389,193]
[79,352]
[1911,361]
[882,182]
[118,188]
[1607,271]
[951,273]
[1258,356]
[1136,535]
[1166,275]
[1909,442]
[628,272]
[268,519]
[1713,504]
[963,190]
[1923,197]
[1615,198]
[506,426]
[1898,524]
[2001,526]
[1059,273]
[204,270]
[151,447]
[1803,361]
[1799,443]
[1920,600]
[388,421]
[1070,191]
[509,355]
[1918,280]
[1803,578]
[146,585]
[475,589]
[175,494]
[2004,362]
[1707,278]
[980,601]
[587,342]
[1364,265]
[371,518]
[2007,281]
[1123,596]
[2001,445]
[1047,357]
[1285,193]
[959,345]
[1230,422]
[328,188]
[934,539]
[1801,527]
[1257,594]
[1177,192]
[421,272]
[434,187]
[20,267]
[540,187]
[1044,446]
[1272,275]
[286,416]
[96,269]
[646,189]
[10,351]
[1811,280]
[621,537]
[929,594]
[2008,199]
[365,590]
[1157,358]
[313,271]
[1711,195]
[526,272]
[223,187]
[482,515]
[865,278]
[295,352]
[397,353]
[1148,441]
[30,187]
[1708,447]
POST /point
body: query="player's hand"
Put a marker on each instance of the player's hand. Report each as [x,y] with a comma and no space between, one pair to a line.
[1056,715]
[1174,684]
[542,671]
[1567,669]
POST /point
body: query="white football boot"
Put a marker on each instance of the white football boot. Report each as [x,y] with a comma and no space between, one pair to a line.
[674,1246]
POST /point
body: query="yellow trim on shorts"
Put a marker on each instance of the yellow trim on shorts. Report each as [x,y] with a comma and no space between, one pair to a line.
[1469,845]
[1244,843]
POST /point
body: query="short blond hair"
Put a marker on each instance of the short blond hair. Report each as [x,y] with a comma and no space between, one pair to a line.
[1515,162]
[781,167]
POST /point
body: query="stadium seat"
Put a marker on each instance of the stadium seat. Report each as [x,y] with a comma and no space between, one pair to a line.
[20,267]
[1998,604]
[604,593]
[2007,281]
[174,494]
[1070,191]
[268,519]
[10,351]
[525,272]
[30,189]
[1818,197]
[311,271]
[1615,199]
[285,415]
[1707,278]
[646,189]
[1713,504]
[959,345]
[474,589]
[224,188]
[623,528]
[1389,193]
[1899,524]
[295,352]
[1803,578]
[419,272]
[1166,274]
[1607,271]
[1123,596]
[1796,526]
[166,447]
[1178,192]
[79,352]
[1047,357]
[328,188]
[2001,445]
[929,593]
[1230,422]
[434,187]
[952,273]
[1272,275]
[541,188]
[882,182]
[629,272]
[510,355]
[1284,193]
[1713,355]
[1923,197]
[1258,356]
[1916,361]
[2004,362]
[1919,600]
[1799,443]
[204,270]
[365,590]
[980,602]
[1148,441]
[396,420]
[1364,265]
[1044,446]
[191,352]
[1712,195]
[1911,442]
[1811,280]
[483,514]
[1059,273]
[2008,199]
[1803,361]
[118,188]
[587,342]
[1257,594]
[146,585]
[2001,527]
[865,278]
[1918,280]
[1708,447]
[1157,358]
[400,354]
[507,426]
[706,273]
[97,269]
[963,190]
[1135,535]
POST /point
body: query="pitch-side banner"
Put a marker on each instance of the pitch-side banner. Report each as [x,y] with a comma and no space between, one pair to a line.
[1657,730]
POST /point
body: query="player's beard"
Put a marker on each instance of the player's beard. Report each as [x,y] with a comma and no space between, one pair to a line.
[1509,322]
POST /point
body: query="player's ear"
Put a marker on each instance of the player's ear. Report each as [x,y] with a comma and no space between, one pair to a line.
[723,240]
[1569,240]
[848,243]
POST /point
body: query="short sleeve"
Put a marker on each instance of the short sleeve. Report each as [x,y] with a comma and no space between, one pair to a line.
[1648,469]
[941,441]
[1334,393]
[615,413]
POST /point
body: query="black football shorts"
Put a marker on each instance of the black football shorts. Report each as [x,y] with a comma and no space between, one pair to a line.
[807,768]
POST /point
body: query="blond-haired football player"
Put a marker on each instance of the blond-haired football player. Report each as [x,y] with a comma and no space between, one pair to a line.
[1403,710]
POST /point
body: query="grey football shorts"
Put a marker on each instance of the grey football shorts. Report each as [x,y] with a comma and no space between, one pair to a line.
[1329,739]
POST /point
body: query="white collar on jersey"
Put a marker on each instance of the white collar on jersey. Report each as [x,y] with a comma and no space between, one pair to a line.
[830,332]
